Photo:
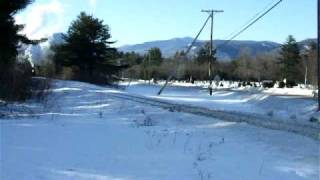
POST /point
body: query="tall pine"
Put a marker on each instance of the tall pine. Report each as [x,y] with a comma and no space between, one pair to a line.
[15,77]
[154,56]
[290,61]
[87,49]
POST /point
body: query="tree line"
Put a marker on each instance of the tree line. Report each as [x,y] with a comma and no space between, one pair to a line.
[290,65]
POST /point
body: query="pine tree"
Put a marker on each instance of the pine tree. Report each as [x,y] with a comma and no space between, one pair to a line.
[11,38]
[131,58]
[87,47]
[290,60]
[155,56]
[203,54]
[15,78]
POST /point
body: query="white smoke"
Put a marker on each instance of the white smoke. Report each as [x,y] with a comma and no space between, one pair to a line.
[42,20]
[92,5]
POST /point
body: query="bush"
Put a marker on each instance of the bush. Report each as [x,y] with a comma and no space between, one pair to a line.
[267,84]
[40,88]
[281,84]
[46,69]
[67,73]
[291,84]
[16,82]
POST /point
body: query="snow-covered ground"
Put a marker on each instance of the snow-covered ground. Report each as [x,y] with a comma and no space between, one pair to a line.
[293,104]
[83,132]
[299,90]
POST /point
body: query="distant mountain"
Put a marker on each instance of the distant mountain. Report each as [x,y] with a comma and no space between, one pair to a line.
[306,43]
[168,47]
[227,52]
[37,53]
[233,49]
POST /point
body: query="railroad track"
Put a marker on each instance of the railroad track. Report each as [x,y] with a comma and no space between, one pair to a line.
[310,130]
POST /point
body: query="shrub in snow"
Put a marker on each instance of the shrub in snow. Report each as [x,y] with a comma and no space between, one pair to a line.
[100,114]
[315,119]
[267,84]
[315,94]
[270,113]
[293,116]
[291,84]
[281,84]
[171,109]
[146,121]
[40,89]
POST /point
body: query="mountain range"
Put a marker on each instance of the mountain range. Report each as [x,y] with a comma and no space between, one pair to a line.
[228,51]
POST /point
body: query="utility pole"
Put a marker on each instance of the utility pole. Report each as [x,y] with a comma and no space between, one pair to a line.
[211,58]
[318,56]
[306,76]
[211,14]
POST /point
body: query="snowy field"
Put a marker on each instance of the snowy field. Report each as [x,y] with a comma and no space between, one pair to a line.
[83,132]
[293,104]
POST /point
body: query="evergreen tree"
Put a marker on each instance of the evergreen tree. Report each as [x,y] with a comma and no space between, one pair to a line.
[132,58]
[10,39]
[290,61]
[87,48]
[203,54]
[15,77]
[154,56]
[179,54]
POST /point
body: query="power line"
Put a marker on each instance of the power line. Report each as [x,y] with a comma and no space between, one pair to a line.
[251,19]
[196,38]
[249,25]
[233,37]
[212,12]
[188,50]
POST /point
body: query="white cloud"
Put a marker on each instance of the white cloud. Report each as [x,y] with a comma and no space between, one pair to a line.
[42,20]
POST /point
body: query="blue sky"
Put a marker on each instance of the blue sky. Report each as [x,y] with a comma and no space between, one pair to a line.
[137,21]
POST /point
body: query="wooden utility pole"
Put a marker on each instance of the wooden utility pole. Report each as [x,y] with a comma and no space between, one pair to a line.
[212,12]
[318,56]
[211,58]
[188,50]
